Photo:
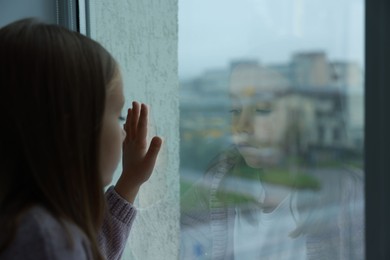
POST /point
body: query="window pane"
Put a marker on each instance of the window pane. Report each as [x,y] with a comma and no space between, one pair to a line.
[271,103]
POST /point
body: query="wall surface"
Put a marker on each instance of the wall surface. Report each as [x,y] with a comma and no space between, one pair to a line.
[142,36]
[44,10]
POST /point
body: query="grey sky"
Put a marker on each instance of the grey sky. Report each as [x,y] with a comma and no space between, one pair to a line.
[214,32]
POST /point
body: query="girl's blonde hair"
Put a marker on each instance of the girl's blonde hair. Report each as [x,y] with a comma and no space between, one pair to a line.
[53,86]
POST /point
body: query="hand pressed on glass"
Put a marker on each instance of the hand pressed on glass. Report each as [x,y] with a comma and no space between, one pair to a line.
[138,159]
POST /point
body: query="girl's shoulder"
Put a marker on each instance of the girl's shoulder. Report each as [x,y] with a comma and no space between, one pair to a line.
[342,176]
[40,235]
[223,161]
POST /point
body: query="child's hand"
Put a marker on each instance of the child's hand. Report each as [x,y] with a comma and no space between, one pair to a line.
[138,159]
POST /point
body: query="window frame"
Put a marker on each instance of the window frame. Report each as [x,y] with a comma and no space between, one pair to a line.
[377,127]
[68,14]
[74,15]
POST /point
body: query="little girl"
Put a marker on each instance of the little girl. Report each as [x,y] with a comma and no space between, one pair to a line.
[61,140]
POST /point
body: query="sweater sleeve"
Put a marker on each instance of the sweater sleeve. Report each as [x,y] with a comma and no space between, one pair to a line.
[340,234]
[41,236]
[116,225]
[351,220]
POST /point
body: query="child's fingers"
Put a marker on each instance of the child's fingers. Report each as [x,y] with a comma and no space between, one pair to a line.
[128,119]
[126,125]
[142,129]
[154,149]
[134,119]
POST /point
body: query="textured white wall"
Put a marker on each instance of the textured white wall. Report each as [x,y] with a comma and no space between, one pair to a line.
[142,36]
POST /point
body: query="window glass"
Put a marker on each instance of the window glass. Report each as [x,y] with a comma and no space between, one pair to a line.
[271,129]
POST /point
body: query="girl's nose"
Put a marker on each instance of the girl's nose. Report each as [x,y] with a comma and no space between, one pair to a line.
[245,122]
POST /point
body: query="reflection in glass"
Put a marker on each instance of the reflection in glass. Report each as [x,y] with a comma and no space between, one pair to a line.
[271,160]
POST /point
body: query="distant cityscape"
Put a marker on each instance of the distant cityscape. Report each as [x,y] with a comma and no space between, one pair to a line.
[330,91]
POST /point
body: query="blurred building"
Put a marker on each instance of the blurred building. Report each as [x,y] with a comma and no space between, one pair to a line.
[310,69]
[329,94]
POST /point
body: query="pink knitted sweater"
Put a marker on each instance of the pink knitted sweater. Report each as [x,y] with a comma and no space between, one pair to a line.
[41,236]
